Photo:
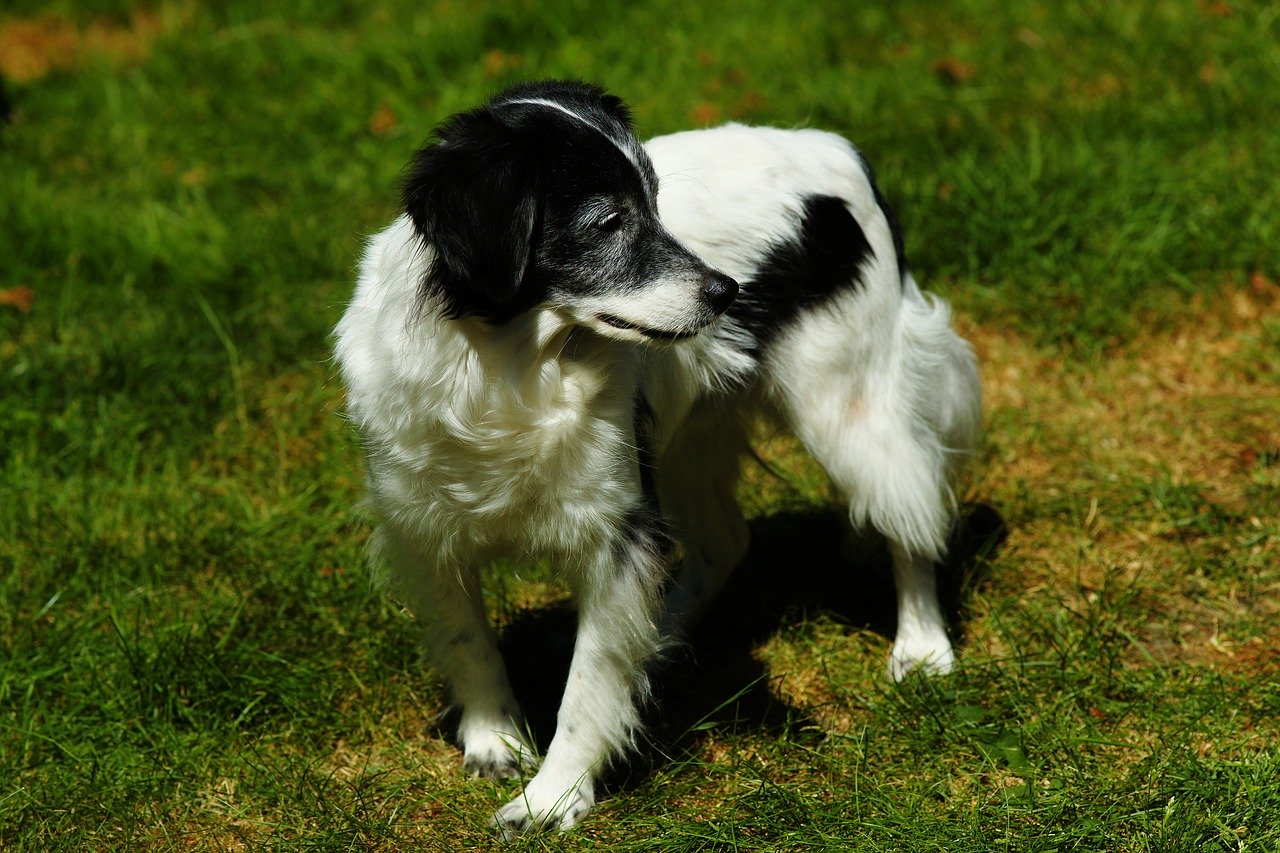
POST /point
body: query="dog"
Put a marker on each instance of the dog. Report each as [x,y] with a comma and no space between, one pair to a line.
[558,350]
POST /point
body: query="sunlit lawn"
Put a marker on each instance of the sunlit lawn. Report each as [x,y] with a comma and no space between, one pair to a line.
[191,655]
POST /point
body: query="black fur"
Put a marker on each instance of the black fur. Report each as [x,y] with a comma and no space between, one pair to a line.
[645,422]
[895,227]
[474,197]
[826,257]
[645,524]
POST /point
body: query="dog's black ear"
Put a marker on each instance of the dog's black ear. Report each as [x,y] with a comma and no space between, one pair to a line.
[473,197]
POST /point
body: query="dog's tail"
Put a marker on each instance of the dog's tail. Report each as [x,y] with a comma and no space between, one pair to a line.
[957,407]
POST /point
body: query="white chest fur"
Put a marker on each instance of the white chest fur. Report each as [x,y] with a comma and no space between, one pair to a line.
[483,440]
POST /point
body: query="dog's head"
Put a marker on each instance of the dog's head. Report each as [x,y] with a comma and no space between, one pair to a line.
[544,198]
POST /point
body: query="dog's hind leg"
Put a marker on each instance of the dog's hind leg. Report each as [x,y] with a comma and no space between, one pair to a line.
[463,647]
[895,485]
[696,479]
[920,641]
[889,422]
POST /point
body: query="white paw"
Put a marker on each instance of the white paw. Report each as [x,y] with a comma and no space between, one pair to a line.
[496,753]
[544,805]
[928,655]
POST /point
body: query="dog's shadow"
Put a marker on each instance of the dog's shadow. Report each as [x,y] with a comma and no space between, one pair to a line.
[798,565]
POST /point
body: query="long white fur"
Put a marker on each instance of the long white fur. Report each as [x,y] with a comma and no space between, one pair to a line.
[519,439]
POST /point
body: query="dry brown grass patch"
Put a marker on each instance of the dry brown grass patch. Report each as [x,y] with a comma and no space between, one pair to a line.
[32,47]
[1188,400]
[1193,407]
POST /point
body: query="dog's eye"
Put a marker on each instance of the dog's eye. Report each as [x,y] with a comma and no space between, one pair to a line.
[610,222]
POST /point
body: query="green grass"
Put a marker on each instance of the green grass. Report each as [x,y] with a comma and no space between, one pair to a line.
[191,654]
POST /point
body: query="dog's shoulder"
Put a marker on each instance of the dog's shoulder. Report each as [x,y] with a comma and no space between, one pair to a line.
[377,343]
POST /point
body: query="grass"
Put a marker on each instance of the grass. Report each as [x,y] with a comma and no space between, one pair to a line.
[190,652]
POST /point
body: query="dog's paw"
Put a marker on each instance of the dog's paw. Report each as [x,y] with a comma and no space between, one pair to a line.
[489,767]
[497,754]
[543,806]
[929,656]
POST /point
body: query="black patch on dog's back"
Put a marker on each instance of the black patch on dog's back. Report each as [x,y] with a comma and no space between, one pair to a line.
[895,229]
[824,258]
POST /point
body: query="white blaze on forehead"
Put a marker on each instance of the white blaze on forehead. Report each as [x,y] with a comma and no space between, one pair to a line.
[628,150]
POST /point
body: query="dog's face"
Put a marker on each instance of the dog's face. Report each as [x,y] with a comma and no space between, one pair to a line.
[544,198]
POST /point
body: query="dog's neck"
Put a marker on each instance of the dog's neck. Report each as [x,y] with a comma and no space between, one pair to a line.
[542,357]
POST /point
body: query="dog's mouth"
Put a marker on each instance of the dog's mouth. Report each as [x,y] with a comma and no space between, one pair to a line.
[654,334]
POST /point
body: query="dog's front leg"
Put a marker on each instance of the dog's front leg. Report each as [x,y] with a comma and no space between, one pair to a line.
[462,646]
[617,597]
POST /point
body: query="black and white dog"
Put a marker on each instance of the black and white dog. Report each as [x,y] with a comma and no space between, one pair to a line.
[558,350]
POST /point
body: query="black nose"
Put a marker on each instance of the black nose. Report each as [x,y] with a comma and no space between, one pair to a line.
[719,290]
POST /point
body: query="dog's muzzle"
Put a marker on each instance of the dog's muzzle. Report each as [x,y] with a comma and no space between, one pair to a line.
[717,292]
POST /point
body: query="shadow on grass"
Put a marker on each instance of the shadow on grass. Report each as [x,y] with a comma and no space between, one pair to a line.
[799,565]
